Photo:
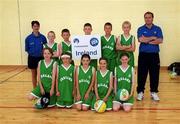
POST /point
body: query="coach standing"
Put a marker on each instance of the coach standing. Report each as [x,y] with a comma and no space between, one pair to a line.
[34,46]
[149,36]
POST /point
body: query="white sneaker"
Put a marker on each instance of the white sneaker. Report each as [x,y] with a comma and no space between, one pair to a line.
[140,96]
[154,96]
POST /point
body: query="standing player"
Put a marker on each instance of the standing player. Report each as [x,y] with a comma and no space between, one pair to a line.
[103,85]
[34,46]
[126,43]
[85,76]
[108,46]
[65,46]
[46,78]
[87,31]
[65,85]
[124,79]
[53,45]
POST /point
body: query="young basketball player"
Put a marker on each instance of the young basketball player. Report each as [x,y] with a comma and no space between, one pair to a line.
[53,45]
[126,43]
[65,45]
[103,85]
[46,78]
[85,75]
[108,46]
[87,31]
[124,79]
[65,85]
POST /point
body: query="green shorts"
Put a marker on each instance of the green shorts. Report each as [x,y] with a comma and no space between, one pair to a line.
[108,102]
[36,92]
[86,102]
[111,64]
[64,103]
[130,101]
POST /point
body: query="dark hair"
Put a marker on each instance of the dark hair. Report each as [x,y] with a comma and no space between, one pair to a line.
[35,22]
[102,58]
[49,49]
[65,30]
[85,56]
[124,54]
[108,24]
[149,13]
[87,25]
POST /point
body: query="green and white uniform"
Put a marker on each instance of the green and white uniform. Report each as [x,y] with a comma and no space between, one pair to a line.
[108,47]
[66,48]
[103,81]
[65,86]
[46,80]
[84,81]
[124,81]
[54,48]
[126,41]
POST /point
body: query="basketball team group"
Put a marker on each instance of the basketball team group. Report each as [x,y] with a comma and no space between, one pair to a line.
[110,79]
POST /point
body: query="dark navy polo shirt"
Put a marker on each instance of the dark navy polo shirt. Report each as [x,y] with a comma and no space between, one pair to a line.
[34,44]
[148,32]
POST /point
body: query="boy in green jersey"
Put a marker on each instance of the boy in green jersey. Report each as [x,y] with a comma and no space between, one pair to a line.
[46,78]
[126,43]
[53,45]
[65,45]
[108,46]
[124,79]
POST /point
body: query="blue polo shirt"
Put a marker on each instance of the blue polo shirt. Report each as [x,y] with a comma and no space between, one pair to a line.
[148,32]
[34,44]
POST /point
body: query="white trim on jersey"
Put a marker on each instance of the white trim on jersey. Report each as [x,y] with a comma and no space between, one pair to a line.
[66,68]
[108,38]
[127,38]
[85,71]
[103,75]
[124,70]
[67,43]
[51,45]
[48,64]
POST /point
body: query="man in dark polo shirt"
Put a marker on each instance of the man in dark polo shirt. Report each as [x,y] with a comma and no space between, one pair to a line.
[149,36]
[34,46]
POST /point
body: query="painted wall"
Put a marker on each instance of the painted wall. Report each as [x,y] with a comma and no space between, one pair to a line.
[72,14]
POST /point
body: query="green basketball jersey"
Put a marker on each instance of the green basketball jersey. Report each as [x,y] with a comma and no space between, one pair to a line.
[54,47]
[84,79]
[126,42]
[108,47]
[65,47]
[46,74]
[103,81]
[124,78]
[66,82]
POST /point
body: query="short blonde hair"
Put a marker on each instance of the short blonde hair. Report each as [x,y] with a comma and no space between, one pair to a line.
[52,32]
[126,23]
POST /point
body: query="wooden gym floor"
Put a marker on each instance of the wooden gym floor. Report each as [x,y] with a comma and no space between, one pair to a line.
[15,85]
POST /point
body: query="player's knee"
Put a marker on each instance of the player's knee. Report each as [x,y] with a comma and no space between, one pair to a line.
[85,108]
[127,108]
[78,107]
[30,97]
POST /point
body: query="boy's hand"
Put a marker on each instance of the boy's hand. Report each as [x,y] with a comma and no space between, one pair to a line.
[86,96]
[78,97]
[57,93]
[42,91]
[97,98]
[105,99]
[51,92]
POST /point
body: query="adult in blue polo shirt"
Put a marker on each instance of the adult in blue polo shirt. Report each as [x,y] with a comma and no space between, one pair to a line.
[34,46]
[149,36]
